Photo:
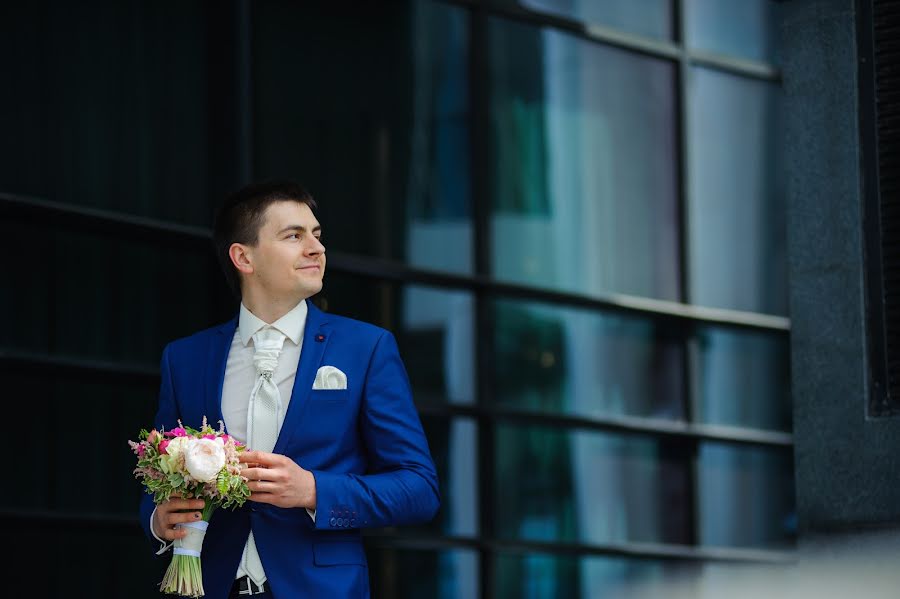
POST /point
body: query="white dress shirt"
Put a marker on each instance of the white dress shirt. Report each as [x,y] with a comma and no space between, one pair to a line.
[240,377]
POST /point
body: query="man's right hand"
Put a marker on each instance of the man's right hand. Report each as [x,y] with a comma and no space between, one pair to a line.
[172,512]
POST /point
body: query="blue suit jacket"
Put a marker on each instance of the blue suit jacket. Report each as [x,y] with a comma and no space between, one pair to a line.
[364,445]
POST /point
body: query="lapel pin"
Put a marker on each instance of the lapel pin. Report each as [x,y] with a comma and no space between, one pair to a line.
[320,338]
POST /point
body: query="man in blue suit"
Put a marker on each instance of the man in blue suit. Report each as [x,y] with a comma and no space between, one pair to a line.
[350,450]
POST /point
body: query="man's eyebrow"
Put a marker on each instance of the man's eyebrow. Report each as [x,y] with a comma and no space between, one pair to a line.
[298,228]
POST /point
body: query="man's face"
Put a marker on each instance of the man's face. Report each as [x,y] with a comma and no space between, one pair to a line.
[288,259]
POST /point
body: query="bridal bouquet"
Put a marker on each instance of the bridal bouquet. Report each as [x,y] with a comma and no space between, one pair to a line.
[192,464]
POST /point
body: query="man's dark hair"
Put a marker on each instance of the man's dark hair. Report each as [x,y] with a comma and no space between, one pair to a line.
[240,217]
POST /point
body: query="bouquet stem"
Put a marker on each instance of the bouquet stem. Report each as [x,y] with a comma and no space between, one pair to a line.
[184,575]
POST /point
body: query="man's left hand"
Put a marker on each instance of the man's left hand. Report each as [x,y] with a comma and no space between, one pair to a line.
[277,479]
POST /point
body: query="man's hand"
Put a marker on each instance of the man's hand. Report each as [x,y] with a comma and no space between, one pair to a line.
[276,479]
[172,512]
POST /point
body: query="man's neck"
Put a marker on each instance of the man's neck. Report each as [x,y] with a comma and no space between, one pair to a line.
[270,310]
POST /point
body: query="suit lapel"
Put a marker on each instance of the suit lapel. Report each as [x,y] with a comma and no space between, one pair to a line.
[216,360]
[315,338]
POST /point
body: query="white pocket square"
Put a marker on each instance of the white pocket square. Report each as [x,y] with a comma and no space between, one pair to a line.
[329,377]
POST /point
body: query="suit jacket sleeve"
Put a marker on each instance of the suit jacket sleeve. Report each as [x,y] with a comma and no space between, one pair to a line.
[401,485]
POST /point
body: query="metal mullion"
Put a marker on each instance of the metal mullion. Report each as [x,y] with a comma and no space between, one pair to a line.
[735,66]
[46,212]
[48,365]
[244,116]
[592,32]
[151,230]
[479,139]
[605,303]
[663,429]
[630,550]
[30,519]
[690,383]
[485,413]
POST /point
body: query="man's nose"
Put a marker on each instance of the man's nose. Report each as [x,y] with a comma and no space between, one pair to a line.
[315,247]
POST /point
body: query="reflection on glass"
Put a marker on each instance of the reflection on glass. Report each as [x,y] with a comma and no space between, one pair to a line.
[745,496]
[737,209]
[433,328]
[454,448]
[423,574]
[105,105]
[554,485]
[541,576]
[578,362]
[375,122]
[583,165]
[650,18]
[744,29]
[744,379]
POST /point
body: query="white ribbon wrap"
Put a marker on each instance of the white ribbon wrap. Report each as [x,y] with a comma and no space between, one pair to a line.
[193,542]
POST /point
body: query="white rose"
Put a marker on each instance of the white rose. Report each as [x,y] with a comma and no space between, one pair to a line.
[176,447]
[204,458]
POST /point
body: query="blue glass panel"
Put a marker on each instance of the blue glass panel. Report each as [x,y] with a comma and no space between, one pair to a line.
[454,448]
[744,379]
[583,165]
[737,206]
[554,485]
[745,496]
[578,362]
[743,29]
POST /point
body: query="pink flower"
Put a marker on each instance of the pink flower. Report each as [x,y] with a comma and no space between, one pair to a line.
[153,437]
[141,449]
[177,432]
[209,436]
[162,446]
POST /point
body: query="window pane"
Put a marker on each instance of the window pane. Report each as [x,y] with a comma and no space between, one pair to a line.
[745,496]
[374,122]
[541,576]
[578,362]
[104,104]
[583,165]
[69,555]
[554,485]
[744,379]
[745,29]
[423,573]
[454,448]
[650,18]
[132,299]
[737,207]
[69,408]
[433,328]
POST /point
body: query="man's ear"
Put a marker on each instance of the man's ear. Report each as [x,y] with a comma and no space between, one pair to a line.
[241,257]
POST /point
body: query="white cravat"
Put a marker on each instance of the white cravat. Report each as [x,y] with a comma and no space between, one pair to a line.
[263,417]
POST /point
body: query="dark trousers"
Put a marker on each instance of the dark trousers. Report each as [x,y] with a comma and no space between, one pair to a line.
[234,594]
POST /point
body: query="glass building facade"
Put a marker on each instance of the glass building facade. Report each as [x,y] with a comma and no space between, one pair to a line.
[570,213]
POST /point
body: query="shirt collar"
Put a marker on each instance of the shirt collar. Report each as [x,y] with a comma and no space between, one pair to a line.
[291,324]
